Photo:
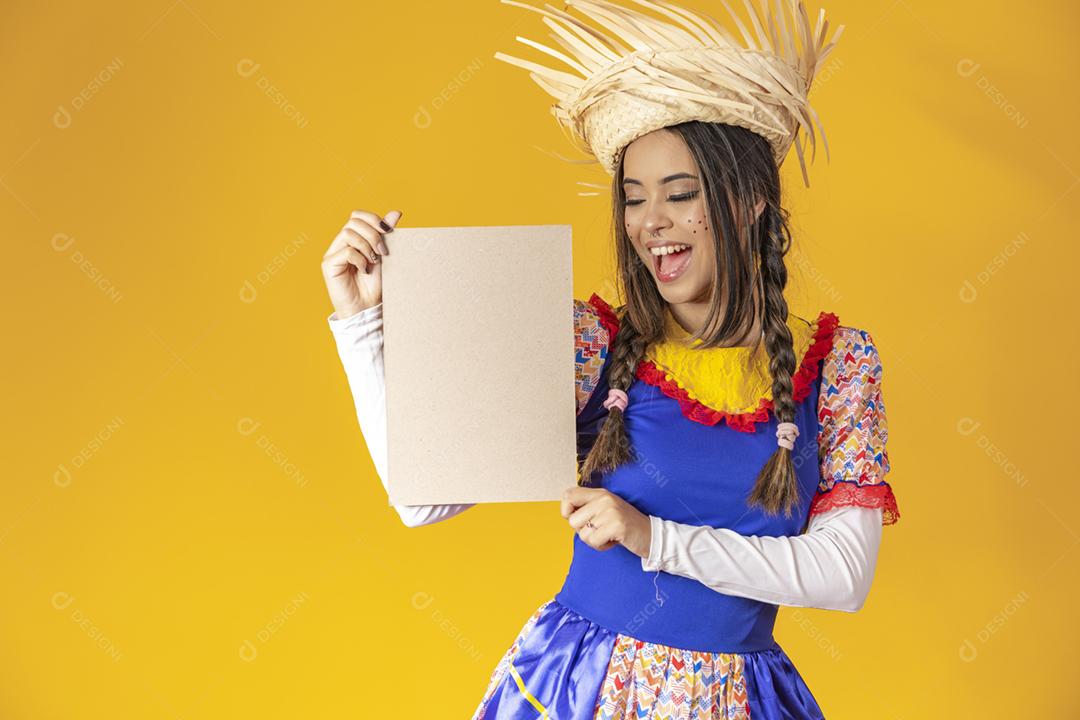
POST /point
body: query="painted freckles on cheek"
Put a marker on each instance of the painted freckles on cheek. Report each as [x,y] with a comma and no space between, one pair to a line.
[691,223]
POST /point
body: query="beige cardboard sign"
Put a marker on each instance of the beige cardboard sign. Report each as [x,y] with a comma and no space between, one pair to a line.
[478,349]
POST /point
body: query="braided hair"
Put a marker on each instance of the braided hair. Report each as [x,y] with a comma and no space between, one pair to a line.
[737,171]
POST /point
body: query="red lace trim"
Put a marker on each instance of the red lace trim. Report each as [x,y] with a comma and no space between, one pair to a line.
[879,495]
[608,318]
[801,383]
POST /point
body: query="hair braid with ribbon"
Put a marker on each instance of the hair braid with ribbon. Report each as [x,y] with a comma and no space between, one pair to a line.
[737,170]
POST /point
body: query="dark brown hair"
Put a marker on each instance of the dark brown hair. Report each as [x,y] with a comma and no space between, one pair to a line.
[736,169]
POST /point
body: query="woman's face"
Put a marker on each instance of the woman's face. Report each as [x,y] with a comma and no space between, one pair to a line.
[665,213]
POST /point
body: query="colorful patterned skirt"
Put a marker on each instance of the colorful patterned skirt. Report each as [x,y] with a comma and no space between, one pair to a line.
[563,666]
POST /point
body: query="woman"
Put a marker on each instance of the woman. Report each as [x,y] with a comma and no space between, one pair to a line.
[733,454]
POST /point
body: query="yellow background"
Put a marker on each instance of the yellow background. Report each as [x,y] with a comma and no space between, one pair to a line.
[190,525]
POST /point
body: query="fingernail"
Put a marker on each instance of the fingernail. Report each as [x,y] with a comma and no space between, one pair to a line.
[382,247]
[385,227]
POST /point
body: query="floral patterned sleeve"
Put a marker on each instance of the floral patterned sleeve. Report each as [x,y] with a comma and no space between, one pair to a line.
[852,428]
[595,328]
[593,333]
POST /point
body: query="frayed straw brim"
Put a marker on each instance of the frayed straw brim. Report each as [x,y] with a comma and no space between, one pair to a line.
[637,73]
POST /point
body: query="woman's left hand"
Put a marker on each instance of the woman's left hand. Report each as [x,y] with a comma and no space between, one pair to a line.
[602,520]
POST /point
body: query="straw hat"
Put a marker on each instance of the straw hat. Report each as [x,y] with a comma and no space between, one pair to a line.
[636,73]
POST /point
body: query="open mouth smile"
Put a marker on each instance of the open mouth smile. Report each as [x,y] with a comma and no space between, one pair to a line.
[670,260]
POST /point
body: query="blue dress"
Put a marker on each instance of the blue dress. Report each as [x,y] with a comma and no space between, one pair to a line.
[617,642]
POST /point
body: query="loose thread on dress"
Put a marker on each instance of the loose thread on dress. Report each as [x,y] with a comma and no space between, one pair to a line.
[655,578]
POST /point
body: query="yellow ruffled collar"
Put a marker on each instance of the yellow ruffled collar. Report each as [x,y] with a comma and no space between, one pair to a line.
[731,384]
[728,381]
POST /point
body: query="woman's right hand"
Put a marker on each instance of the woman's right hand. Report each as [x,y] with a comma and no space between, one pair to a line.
[352,265]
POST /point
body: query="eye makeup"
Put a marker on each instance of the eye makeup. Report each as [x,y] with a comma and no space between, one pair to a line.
[674,198]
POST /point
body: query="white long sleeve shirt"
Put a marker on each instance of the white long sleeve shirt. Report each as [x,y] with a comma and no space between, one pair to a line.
[359,341]
[830,566]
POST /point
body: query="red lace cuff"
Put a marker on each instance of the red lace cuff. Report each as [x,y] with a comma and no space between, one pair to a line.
[878,495]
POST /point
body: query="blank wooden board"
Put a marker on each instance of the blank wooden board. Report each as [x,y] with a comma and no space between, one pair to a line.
[478,350]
